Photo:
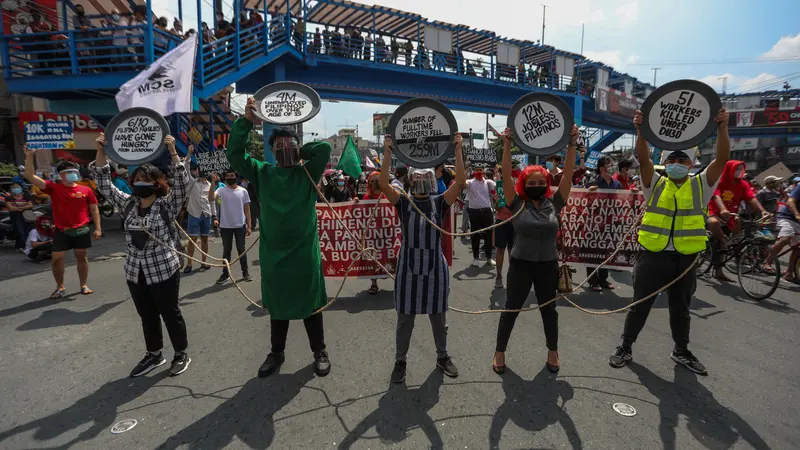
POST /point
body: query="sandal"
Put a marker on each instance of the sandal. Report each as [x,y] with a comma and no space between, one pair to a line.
[58,293]
[499,369]
[86,291]
[373,289]
[596,288]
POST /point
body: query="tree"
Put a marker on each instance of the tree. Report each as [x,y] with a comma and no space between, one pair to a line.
[256,146]
[496,144]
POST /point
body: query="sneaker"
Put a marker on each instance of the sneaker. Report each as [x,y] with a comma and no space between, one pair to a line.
[179,364]
[247,276]
[148,363]
[620,357]
[399,372]
[223,278]
[490,262]
[498,283]
[205,267]
[686,358]
[476,262]
[447,366]
[322,365]
[273,363]
[187,269]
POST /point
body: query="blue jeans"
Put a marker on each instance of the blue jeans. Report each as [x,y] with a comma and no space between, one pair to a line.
[20,228]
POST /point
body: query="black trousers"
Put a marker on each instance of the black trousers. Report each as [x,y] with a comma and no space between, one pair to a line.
[600,278]
[543,276]
[479,219]
[41,252]
[314,328]
[160,301]
[227,243]
[650,273]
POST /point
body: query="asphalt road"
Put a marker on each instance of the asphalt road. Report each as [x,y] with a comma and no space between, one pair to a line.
[65,364]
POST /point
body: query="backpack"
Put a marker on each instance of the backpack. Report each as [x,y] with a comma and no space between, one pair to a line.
[170,226]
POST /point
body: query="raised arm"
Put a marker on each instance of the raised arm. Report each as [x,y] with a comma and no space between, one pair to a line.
[316,154]
[181,178]
[723,151]
[188,159]
[240,161]
[383,181]
[452,193]
[508,182]
[565,185]
[102,176]
[30,174]
[646,168]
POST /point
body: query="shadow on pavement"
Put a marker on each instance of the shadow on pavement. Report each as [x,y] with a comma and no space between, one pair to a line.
[248,415]
[30,306]
[363,301]
[213,289]
[98,409]
[735,292]
[712,425]
[475,273]
[62,317]
[401,410]
[609,300]
[533,406]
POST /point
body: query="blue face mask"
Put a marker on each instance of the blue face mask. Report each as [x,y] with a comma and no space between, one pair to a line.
[72,177]
[16,191]
[549,165]
[677,171]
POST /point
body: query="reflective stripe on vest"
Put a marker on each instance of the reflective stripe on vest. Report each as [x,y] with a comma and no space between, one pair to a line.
[675,211]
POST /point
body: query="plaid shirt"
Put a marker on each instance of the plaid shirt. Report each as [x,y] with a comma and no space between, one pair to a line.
[157,262]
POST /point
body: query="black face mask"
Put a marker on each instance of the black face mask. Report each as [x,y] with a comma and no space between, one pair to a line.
[535,192]
[230,181]
[143,191]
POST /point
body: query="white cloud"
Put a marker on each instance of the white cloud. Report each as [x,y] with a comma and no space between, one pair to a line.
[628,13]
[762,81]
[786,47]
[633,58]
[612,58]
[715,81]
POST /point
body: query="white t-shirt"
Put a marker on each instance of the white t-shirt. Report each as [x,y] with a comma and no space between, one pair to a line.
[198,204]
[478,193]
[708,192]
[232,201]
[34,236]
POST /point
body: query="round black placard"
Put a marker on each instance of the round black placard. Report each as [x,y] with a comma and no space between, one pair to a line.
[541,123]
[422,132]
[287,103]
[136,136]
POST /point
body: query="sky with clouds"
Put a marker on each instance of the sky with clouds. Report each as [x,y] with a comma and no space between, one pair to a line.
[754,45]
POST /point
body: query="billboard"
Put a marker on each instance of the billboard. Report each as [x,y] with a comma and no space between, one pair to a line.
[765,117]
[616,102]
[380,123]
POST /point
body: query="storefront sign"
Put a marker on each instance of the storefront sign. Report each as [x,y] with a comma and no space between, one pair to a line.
[80,123]
[767,117]
[680,114]
[287,103]
[541,123]
[595,223]
[136,136]
[49,135]
[378,228]
[422,132]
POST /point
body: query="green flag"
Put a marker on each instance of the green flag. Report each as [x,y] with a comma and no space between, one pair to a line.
[350,163]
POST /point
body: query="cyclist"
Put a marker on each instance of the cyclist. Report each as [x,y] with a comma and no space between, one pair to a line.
[723,208]
[789,232]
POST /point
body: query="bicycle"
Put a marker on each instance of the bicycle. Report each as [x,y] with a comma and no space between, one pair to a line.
[746,256]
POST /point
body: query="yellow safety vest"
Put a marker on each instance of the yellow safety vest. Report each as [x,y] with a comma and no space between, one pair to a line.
[675,211]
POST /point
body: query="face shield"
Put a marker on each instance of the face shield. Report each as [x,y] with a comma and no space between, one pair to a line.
[422,181]
[286,151]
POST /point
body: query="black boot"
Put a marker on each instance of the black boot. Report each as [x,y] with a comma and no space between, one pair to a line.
[271,365]
[322,365]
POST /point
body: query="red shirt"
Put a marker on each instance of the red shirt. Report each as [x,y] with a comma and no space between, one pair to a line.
[70,204]
[625,182]
[731,196]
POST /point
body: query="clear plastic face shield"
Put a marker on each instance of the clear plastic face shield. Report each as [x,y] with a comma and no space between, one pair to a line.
[286,151]
[423,181]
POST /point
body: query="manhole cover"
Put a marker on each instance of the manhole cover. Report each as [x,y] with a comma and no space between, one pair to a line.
[123,426]
[624,409]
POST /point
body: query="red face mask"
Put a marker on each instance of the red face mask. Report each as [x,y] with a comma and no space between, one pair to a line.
[478,175]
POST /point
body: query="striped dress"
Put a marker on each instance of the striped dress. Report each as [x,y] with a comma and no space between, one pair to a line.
[422,281]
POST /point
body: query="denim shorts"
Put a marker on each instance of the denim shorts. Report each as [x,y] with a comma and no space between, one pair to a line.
[199,226]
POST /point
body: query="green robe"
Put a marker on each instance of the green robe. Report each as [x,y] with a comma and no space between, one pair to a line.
[292,284]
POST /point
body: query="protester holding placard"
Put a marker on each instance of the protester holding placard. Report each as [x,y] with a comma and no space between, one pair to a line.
[673,232]
[152,269]
[480,214]
[422,280]
[72,205]
[292,281]
[534,256]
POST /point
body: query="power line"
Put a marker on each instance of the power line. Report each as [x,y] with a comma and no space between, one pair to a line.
[773,84]
[691,63]
[770,80]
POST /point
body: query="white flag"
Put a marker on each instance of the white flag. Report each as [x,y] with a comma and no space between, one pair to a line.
[369,163]
[166,86]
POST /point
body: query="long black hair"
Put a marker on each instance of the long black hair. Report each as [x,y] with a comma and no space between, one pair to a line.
[153,174]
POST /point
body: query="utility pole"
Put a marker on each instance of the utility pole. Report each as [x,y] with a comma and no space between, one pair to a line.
[544,13]
[655,72]
[724,84]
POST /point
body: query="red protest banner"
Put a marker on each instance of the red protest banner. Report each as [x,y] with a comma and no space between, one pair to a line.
[377,227]
[594,224]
